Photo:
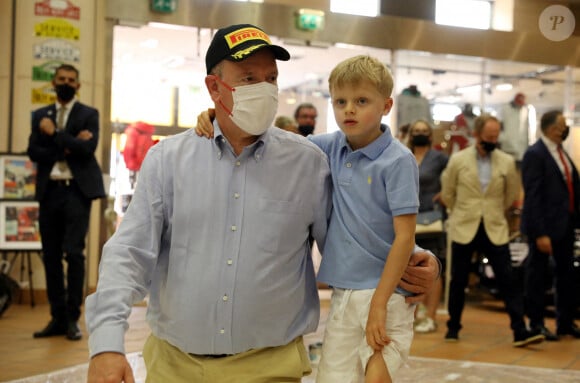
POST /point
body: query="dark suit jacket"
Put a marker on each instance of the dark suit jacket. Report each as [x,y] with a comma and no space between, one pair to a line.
[46,150]
[546,201]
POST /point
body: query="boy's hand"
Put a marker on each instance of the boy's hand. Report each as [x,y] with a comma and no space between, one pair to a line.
[204,127]
[376,332]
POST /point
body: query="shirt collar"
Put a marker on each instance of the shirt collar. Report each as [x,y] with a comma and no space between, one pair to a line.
[479,157]
[68,105]
[551,145]
[375,148]
[256,149]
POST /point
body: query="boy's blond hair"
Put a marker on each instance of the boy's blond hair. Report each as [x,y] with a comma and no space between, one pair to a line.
[362,68]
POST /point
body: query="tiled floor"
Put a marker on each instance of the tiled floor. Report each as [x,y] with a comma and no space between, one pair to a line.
[484,353]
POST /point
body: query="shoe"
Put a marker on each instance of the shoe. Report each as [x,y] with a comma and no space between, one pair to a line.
[53,328]
[421,313]
[73,332]
[549,335]
[525,337]
[426,325]
[572,330]
[452,336]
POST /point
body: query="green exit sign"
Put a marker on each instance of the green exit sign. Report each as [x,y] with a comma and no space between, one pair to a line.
[163,6]
[309,19]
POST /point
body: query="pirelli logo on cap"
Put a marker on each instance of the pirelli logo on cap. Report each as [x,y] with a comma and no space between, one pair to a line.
[242,35]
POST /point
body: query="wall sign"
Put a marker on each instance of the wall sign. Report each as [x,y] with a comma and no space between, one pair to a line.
[60,50]
[45,71]
[43,95]
[57,8]
[58,28]
[163,6]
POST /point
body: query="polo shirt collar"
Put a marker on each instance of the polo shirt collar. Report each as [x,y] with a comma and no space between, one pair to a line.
[375,148]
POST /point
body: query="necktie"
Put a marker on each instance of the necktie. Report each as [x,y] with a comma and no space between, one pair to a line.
[568,179]
[60,120]
[60,125]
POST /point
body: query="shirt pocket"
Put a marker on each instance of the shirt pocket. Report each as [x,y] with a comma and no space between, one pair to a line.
[281,226]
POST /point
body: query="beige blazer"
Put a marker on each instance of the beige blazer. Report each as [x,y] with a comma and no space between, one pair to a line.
[468,204]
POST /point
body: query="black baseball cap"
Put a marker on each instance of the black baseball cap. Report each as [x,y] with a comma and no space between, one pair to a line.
[237,42]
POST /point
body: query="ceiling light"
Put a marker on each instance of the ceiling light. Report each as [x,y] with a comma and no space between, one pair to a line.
[307,43]
[173,27]
[469,89]
[149,43]
[504,87]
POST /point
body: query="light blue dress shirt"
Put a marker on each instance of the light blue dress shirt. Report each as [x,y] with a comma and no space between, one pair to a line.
[220,243]
[484,170]
[370,187]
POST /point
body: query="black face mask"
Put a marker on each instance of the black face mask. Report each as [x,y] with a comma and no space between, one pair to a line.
[488,146]
[306,130]
[65,92]
[565,133]
[420,140]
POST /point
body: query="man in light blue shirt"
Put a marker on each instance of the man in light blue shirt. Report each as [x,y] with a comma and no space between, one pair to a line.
[217,234]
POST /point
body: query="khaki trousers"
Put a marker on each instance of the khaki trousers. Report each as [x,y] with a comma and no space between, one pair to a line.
[167,364]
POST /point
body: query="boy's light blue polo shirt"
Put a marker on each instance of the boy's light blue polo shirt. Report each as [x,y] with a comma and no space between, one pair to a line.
[371,186]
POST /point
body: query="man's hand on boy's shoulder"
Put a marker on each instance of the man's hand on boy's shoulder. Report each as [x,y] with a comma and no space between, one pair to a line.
[420,275]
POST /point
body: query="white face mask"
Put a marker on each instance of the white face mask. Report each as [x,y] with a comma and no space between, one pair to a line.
[255,106]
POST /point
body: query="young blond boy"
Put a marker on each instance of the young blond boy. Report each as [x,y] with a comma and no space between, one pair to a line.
[371,232]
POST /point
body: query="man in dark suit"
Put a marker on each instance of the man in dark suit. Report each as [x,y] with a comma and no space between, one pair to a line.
[62,142]
[549,217]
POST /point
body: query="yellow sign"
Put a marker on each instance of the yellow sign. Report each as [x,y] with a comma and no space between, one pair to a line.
[57,28]
[43,95]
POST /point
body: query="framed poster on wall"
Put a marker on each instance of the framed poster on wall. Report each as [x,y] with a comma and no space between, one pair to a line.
[19,226]
[17,177]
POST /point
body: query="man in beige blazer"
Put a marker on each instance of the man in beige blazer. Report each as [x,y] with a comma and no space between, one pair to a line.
[479,184]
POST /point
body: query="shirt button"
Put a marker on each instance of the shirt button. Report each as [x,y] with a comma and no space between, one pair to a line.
[225,298]
[234,228]
[348,165]
[238,163]
[230,262]
[236,195]
[222,331]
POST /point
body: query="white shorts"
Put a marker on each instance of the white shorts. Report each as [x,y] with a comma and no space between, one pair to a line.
[345,352]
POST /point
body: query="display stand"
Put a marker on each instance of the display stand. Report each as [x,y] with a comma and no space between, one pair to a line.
[24,255]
